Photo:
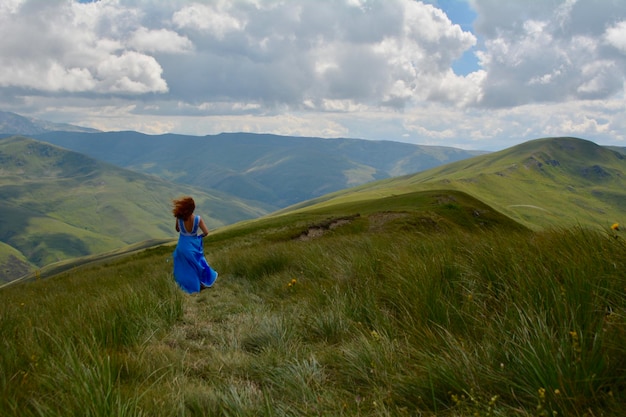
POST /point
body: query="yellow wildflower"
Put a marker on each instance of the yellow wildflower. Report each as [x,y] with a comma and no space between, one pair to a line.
[542,393]
[615,226]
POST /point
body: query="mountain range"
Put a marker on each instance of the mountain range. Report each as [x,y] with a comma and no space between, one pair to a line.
[274,170]
[65,194]
[12,123]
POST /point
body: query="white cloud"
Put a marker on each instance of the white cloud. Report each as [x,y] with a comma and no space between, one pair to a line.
[129,73]
[546,52]
[48,77]
[370,69]
[208,18]
[162,40]
[388,53]
[79,48]
[616,35]
[8,7]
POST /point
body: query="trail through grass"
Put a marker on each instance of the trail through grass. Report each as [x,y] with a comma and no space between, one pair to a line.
[469,324]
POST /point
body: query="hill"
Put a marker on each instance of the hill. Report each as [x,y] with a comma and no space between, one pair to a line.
[550,182]
[14,124]
[426,303]
[57,204]
[273,170]
[619,149]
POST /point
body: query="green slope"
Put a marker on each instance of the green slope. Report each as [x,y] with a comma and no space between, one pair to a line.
[56,204]
[12,263]
[551,182]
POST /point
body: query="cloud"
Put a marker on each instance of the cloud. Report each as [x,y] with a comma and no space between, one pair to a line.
[372,69]
[615,35]
[64,47]
[208,19]
[129,73]
[299,54]
[534,52]
[162,40]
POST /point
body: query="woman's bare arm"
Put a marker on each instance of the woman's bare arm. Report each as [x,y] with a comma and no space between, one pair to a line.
[205,230]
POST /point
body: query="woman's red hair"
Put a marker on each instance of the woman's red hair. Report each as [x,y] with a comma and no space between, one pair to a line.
[183,207]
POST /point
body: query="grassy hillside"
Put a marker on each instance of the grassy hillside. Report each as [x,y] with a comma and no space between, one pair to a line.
[273,170]
[553,182]
[619,149]
[56,204]
[428,303]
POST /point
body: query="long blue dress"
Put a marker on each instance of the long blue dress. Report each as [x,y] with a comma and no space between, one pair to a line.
[191,270]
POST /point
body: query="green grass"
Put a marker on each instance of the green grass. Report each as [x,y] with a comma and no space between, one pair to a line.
[412,308]
[70,342]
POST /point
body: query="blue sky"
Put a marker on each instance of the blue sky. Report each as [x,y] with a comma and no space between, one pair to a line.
[461,13]
[474,74]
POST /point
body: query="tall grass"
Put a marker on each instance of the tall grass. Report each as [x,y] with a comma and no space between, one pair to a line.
[69,342]
[380,323]
[485,323]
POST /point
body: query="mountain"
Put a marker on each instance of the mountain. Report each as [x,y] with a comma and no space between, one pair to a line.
[619,149]
[543,183]
[270,169]
[14,124]
[57,204]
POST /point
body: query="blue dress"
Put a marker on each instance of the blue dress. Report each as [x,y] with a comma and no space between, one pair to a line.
[191,270]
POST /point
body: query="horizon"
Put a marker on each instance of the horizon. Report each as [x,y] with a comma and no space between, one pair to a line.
[468,74]
[327,138]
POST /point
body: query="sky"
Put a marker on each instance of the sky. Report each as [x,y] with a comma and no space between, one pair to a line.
[471,74]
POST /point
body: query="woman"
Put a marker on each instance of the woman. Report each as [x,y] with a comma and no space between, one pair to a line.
[191,270]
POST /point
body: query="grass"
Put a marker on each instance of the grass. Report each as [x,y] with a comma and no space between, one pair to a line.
[70,342]
[387,315]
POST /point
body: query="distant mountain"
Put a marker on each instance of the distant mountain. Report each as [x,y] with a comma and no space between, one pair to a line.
[619,149]
[272,170]
[14,124]
[57,204]
[543,183]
